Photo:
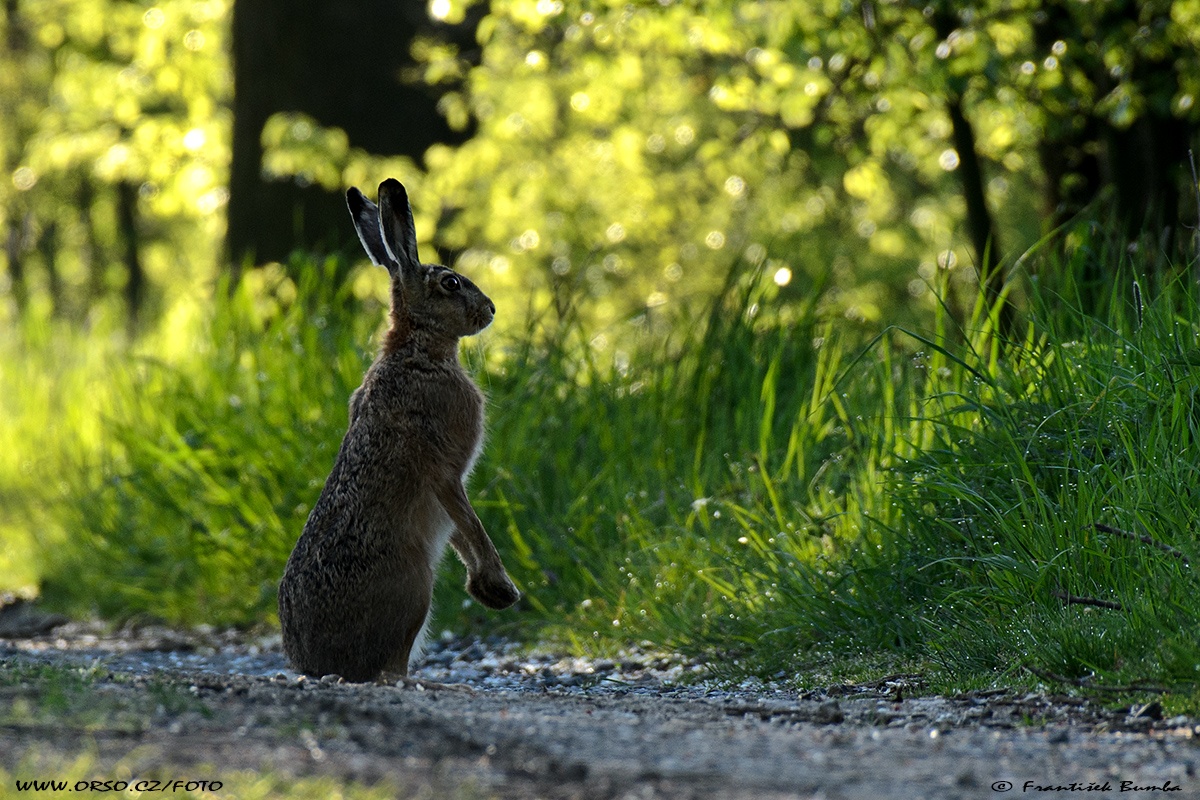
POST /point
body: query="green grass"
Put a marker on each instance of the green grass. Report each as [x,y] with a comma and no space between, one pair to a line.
[208,461]
[1068,469]
[77,700]
[52,385]
[979,552]
[753,483]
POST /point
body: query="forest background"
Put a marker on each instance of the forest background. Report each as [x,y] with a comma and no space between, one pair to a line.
[851,328]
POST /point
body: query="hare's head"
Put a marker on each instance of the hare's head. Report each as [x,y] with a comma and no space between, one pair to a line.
[425,297]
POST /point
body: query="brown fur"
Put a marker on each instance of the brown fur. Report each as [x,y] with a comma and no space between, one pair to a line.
[356,592]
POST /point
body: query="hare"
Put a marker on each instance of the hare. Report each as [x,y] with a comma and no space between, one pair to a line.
[355,596]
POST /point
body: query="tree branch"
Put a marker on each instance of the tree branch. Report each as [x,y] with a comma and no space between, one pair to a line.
[1076,600]
[1084,683]
[1144,539]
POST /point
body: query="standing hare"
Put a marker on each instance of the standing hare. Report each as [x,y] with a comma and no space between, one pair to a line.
[356,593]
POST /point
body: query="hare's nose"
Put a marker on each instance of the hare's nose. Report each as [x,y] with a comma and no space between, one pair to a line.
[491,308]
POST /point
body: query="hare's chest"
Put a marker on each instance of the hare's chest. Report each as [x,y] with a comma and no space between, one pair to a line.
[434,416]
[472,426]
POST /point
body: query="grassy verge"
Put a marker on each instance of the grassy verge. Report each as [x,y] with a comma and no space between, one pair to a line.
[212,442]
[1047,520]
[1021,511]
[754,483]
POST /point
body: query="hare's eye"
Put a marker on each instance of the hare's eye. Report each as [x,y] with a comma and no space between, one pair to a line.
[451,283]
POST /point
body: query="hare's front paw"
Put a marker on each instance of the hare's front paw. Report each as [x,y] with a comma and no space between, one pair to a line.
[493,590]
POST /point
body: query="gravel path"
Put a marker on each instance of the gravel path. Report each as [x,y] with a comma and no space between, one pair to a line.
[485,719]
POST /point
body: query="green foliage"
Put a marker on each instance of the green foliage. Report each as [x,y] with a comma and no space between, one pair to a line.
[1035,511]
[191,503]
[745,485]
[608,494]
[623,154]
[1059,476]
[114,151]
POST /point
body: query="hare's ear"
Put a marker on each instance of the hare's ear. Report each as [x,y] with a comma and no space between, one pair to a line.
[366,223]
[396,221]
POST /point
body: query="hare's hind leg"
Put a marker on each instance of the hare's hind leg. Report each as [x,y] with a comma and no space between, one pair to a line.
[408,630]
[404,678]
[416,651]
[409,645]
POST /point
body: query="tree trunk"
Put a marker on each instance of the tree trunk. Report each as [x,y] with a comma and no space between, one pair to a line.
[1082,152]
[1070,163]
[981,228]
[47,246]
[127,228]
[14,239]
[14,252]
[90,252]
[338,61]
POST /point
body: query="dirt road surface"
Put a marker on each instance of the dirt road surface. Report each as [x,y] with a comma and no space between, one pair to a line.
[485,721]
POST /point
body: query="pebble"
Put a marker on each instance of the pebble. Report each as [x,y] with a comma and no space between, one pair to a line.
[494,664]
[829,713]
[490,663]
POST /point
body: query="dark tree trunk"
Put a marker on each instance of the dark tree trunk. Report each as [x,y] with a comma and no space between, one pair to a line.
[14,252]
[338,61]
[1070,165]
[90,252]
[127,228]
[1146,163]
[14,36]
[14,238]
[1082,152]
[981,228]
[48,247]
